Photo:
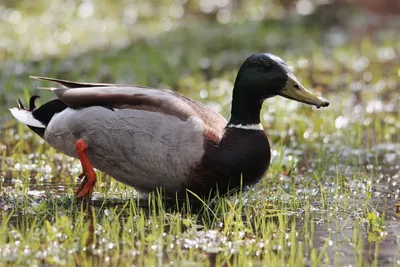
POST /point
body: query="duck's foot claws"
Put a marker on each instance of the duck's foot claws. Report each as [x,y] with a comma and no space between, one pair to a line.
[85,189]
[88,174]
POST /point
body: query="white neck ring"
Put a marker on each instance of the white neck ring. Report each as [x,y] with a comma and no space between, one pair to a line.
[254,127]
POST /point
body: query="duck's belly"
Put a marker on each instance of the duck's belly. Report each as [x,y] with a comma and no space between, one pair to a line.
[140,148]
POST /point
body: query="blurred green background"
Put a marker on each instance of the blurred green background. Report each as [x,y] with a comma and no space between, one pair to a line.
[185,35]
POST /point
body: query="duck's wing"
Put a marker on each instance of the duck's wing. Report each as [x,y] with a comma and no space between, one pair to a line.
[72,84]
[143,98]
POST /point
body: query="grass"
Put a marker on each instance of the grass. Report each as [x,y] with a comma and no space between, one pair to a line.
[329,195]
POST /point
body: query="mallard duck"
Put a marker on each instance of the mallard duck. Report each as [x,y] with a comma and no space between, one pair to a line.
[151,138]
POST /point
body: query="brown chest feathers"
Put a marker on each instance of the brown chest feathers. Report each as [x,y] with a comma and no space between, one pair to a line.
[241,157]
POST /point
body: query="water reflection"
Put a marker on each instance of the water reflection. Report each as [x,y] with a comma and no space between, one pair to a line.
[341,240]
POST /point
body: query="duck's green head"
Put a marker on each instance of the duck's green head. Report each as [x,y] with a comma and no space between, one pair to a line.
[265,75]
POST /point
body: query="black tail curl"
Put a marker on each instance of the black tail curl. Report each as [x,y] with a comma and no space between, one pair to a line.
[32,105]
[44,113]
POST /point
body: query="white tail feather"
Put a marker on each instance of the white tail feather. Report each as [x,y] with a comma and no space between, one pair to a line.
[26,117]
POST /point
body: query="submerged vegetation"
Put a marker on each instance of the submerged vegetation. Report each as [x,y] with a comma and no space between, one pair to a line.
[329,196]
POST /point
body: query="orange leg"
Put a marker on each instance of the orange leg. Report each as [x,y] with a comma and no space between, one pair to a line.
[88,174]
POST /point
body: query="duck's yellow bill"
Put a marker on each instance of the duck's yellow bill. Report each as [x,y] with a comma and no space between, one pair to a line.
[294,90]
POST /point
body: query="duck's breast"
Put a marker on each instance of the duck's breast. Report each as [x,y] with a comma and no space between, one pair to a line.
[141,148]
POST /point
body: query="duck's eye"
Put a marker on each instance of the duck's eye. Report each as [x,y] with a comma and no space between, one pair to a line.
[296,86]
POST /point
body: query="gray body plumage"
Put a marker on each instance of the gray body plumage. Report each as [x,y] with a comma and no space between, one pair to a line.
[143,149]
